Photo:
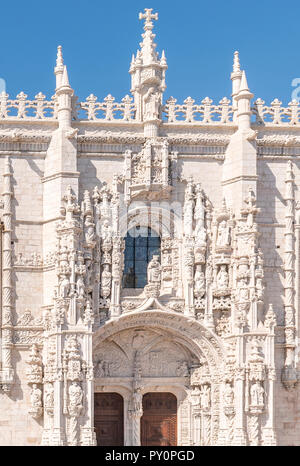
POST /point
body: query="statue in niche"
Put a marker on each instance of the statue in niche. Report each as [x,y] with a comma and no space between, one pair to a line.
[205,396]
[80,286]
[223,238]
[49,398]
[228,395]
[36,396]
[154,271]
[64,286]
[151,104]
[243,290]
[199,282]
[89,230]
[105,281]
[106,233]
[257,394]
[222,278]
[102,369]
[75,399]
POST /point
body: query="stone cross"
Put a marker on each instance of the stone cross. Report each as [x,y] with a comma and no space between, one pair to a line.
[148,16]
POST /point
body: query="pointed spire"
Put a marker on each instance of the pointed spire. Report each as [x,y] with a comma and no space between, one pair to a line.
[163,60]
[243,99]
[244,84]
[65,78]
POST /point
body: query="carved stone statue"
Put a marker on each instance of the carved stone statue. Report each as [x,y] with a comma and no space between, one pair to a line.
[137,401]
[151,104]
[106,233]
[199,282]
[222,278]
[228,395]
[102,369]
[205,396]
[49,399]
[80,287]
[89,228]
[223,238]
[75,399]
[64,286]
[154,271]
[105,281]
[36,396]
[257,394]
[243,290]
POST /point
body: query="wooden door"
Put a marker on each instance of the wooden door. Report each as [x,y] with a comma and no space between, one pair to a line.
[159,420]
[109,419]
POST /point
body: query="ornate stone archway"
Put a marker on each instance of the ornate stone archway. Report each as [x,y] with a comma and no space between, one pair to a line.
[155,350]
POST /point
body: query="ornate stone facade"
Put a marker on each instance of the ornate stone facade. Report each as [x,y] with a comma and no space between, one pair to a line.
[217,321]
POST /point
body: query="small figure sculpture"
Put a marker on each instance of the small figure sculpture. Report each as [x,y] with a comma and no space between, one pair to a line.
[105,281]
[205,396]
[222,278]
[154,271]
[228,395]
[257,394]
[223,238]
[199,281]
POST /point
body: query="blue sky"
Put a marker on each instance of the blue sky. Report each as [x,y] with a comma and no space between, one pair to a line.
[199,38]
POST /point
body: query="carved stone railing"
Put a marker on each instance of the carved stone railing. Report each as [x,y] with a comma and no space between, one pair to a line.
[108,109]
[276,114]
[206,113]
[21,108]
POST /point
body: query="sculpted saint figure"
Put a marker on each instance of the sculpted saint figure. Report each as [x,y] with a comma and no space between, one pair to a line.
[151,104]
[199,281]
[222,278]
[36,396]
[80,286]
[105,281]
[257,394]
[223,238]
[106,232]
[89,229]
[205,396]
[64,286]
[75,399]
[228,395]
[49,398]
[137,401]
[154,271]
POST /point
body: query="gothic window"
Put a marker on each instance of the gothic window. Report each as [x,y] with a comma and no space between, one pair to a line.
[141,243]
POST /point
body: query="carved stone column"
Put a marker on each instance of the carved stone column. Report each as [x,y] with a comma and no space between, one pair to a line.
[7,373]
[289,376]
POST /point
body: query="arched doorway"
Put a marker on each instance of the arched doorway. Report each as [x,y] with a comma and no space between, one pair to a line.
[159,420]
[109,419]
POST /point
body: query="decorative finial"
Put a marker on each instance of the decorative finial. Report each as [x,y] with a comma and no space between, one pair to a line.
[236,62]
[148,16]
[59,58]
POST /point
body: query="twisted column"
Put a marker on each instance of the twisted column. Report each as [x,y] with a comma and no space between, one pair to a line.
[7,298]
[289,268]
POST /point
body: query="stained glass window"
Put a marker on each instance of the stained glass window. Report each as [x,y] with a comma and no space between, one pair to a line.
[141,243]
